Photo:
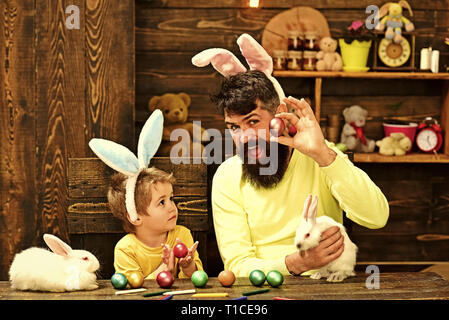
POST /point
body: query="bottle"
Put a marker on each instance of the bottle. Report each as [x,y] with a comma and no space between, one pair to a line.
[294,40]
[279,60]
[294,60]
[309,60]
[311,41]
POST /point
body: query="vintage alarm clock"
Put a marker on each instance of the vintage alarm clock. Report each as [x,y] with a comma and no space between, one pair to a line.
[429,138]
[394,54]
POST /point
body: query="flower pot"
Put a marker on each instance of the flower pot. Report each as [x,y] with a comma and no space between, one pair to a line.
[355,55]
[408,129]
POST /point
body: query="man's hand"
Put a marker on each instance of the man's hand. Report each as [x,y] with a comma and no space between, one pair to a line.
[331,246]
[309,138]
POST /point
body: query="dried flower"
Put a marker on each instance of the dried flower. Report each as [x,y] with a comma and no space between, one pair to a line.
[358,31]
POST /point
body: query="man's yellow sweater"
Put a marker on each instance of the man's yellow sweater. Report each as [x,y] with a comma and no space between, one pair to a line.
[255,228]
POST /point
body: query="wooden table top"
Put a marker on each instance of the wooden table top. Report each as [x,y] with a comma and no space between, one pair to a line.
[400,285]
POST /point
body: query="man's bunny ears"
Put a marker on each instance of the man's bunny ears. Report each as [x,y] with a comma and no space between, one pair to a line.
[124,161]
[227,64]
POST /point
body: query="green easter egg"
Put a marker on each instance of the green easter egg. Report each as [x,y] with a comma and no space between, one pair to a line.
[119,281]
[257,277]
[199,278]
[275,278]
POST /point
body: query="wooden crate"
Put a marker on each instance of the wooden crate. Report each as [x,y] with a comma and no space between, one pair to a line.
[91,225]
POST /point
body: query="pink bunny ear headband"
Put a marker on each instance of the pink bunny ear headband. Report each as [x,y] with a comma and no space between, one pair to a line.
[226,63]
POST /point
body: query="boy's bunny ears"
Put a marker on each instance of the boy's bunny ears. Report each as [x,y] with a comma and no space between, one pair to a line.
[124,161]
[226,63]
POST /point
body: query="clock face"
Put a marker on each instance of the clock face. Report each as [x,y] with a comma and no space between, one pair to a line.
[427,140]
[394,54]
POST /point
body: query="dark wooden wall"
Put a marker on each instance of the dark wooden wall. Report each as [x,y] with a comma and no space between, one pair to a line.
[169,33]
[59,88]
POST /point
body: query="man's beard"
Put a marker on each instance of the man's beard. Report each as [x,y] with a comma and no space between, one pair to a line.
[265,175]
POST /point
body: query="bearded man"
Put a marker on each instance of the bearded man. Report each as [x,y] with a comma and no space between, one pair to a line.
[258,194]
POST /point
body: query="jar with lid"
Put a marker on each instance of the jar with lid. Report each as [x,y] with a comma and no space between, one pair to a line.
[311,41]
[294,40]
[309,60]
[294,60]
[279,60]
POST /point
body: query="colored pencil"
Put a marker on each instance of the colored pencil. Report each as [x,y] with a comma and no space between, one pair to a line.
[179,292]
[250,293]
[241,298]
[152,294]
[210,295]
[130,291]
[282,298]
[166,297]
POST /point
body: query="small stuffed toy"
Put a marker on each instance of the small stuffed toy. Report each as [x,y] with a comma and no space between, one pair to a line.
[396,144]
[328,59]
[394,21]
[352,134]
[175,108]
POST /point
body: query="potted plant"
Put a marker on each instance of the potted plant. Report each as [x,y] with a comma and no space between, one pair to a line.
[355,46]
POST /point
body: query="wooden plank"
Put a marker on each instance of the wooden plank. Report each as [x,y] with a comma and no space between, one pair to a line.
[362,75]
[89,177]
[19,218]
[60,93]
[445,118]
[399,285]
[110,63]
[414,157]
[318,4]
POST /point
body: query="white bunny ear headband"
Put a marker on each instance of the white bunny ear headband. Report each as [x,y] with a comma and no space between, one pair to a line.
[226,63]
[124,161]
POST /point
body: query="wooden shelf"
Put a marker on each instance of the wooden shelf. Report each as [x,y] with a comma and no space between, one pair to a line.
[362,75]
[410,158]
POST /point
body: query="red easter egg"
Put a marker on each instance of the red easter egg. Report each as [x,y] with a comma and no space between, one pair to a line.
[180,250]
[277,127]
[165,279]
[292,131]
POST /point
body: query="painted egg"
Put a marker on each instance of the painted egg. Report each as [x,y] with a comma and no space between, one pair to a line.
[226,278]
[119,281]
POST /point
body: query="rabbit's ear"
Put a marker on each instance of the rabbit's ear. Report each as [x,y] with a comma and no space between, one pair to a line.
[305,211]
[57,245]
[313,209]
[255,54]
[405,4]
[383,11]
[150,138]
[224,61]
[115,156]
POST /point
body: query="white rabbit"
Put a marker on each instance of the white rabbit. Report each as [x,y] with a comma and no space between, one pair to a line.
[62,270]
[308,236]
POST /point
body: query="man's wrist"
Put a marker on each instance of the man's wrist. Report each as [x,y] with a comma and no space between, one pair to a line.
[293,265]
[325,157]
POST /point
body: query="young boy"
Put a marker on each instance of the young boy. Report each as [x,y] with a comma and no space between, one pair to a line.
[147,248]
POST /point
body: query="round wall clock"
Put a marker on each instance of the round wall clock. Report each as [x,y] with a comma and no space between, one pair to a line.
[394,54]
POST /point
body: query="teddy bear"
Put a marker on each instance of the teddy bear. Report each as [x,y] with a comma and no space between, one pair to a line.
[328,59]
[396,144]
[352,134]
[175,108]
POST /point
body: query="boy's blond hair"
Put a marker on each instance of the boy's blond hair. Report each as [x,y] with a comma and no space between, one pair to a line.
[117,191]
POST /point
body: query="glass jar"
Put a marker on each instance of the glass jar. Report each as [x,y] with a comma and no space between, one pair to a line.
[311,41]
[279,60]
[309,60]
[294,40]
[294,60]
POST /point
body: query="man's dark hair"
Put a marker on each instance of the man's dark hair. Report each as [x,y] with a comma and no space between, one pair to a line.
[240,93]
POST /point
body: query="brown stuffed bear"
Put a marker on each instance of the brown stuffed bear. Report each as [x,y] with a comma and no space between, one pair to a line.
[175,108]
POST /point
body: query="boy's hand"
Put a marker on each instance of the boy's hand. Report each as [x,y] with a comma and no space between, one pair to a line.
[189,258]
[168,258]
